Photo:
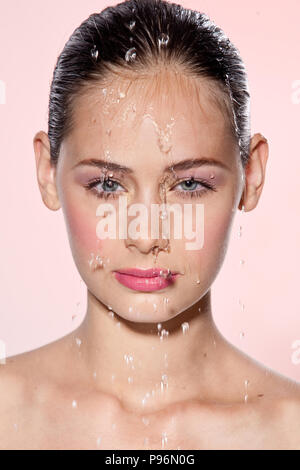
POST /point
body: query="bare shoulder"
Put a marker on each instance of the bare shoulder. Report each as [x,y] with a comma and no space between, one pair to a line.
[288,421]
[277,409]
[13,397]
[26,380]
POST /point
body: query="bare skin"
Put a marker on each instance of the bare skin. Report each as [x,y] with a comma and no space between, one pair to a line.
[101,386]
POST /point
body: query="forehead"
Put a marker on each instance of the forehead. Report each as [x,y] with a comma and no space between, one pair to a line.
[166,113]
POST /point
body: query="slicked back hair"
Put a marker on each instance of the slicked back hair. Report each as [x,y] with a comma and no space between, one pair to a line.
[134,36]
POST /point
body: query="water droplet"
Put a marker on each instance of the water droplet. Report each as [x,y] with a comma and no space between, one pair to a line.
[130,380]
[164,334]
[185,327]
[246,390]
[165,358]
[164,440]
[91,261]
[128,358]
[163,382]
[74,404]
[108,131]
[130,55]
[165,273]
[98,441]
[95,262]
[163,40]
[163,214]
[132,25]
[145,420]
[99,261]
[242,305]
[94,52]
[78,342]
[159,326]
[107,154]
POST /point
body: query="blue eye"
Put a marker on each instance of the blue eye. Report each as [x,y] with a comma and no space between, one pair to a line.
[191,184]
[191,190]
[109,187]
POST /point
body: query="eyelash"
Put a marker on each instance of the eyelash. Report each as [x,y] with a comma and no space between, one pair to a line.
[104,194]
[208,186]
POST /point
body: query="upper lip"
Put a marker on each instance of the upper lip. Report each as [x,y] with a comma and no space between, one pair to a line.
[152,272]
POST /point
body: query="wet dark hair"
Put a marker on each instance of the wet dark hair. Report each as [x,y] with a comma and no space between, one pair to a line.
[135,35]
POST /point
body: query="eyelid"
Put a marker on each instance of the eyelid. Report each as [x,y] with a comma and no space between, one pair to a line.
[205,182]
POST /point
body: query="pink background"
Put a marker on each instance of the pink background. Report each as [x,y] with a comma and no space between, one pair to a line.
[40,288]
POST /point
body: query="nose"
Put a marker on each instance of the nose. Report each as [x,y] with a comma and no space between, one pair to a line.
[145,232]
[147,246]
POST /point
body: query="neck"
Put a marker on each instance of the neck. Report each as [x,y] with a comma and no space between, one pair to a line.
[144,369]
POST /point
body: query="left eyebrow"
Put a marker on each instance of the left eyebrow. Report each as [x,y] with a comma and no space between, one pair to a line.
[195,162]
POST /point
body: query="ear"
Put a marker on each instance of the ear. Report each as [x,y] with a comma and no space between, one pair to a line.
[45,171]
[255,171]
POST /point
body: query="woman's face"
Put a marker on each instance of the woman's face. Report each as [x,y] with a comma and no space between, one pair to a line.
[149,126]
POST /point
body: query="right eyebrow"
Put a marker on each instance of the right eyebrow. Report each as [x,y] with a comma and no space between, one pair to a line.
[108,165]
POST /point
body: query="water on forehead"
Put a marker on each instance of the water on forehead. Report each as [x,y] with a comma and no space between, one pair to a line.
[158,113]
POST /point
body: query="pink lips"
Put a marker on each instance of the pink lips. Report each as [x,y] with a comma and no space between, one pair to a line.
[146,280]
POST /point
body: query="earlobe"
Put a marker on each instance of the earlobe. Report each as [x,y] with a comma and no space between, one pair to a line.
[45,171]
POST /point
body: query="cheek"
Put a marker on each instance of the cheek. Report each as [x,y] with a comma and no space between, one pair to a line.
[81,225]
[216,229]
[217,232]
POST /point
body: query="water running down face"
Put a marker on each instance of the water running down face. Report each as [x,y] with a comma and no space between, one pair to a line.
[130,139]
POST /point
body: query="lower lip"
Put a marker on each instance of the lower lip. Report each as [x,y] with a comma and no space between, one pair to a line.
[145,284]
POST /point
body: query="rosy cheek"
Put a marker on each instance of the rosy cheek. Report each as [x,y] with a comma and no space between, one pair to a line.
[82,228]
